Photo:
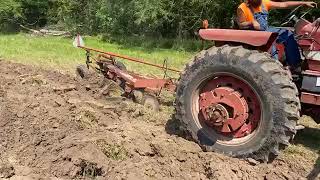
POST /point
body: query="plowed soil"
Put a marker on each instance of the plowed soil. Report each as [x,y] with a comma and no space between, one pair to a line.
[52,126]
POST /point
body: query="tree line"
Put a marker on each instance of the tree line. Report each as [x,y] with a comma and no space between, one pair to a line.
[155,18]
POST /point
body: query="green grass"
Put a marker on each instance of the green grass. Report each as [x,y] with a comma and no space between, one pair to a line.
[307,142]
[58,52]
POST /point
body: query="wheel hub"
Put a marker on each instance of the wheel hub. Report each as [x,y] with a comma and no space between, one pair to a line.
[229,106]
[229,111]
[217,115]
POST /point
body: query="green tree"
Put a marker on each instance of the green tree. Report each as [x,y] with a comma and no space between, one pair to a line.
[156,18]
[10,14]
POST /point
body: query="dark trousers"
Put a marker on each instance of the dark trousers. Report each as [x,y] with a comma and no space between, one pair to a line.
[286,37]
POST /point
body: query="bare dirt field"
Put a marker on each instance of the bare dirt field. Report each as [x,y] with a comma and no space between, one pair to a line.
[53,127]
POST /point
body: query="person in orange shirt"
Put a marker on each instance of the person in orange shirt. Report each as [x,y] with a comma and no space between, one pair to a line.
[249,10]
[253,15]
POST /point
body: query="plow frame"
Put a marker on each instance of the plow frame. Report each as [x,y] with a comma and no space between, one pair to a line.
[106,63]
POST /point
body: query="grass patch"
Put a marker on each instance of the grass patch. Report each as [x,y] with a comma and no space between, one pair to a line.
[299,150]
[113,151]
[307,141]
[58,53]
[87,119]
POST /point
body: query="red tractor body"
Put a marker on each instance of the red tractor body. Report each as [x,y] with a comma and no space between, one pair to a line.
[309,41]
[252,38]
[311,75]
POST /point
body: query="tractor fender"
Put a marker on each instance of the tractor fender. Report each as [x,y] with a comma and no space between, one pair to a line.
[253,38]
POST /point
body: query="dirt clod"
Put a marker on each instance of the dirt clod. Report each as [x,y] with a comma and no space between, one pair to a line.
[6,171]
[88,169]
[65,88]
[253,162]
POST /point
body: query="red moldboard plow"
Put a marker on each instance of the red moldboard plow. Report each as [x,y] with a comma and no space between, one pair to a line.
[142,89]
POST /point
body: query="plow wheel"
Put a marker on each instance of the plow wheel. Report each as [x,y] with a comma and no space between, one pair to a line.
[121,66]
[238,102]
[151,102]
[147,100]
[82,71]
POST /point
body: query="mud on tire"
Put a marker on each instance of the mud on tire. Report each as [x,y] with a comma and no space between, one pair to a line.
[278,96]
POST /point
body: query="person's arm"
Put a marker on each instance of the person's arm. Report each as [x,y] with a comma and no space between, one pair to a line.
[290,4]
[243,24]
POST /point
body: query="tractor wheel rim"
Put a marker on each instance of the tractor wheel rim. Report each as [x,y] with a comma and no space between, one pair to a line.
[229,106]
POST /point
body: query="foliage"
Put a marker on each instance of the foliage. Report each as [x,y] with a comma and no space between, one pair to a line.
[10,11]
[156,18]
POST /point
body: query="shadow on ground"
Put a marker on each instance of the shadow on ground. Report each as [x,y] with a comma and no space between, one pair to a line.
[310,137]
[174,127]
[315,172]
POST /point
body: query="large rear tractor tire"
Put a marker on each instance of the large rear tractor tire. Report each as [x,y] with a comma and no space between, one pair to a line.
[238,102]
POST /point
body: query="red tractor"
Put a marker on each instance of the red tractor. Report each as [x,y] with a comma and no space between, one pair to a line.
[232,98]
[235,99]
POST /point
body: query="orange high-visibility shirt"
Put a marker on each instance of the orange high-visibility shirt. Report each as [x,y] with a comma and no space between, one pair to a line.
[248,13]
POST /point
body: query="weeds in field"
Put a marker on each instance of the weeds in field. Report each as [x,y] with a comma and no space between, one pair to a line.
[88,119]
[114,151]
[89,170]
[299,150]
[306,142]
